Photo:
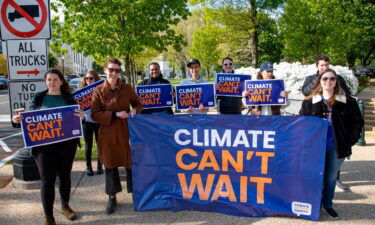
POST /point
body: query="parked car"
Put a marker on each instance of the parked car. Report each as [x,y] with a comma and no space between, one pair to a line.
[69,77]
[3,83]
[74,83]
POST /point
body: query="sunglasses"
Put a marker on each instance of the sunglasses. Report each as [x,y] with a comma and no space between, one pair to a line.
[89,78]
[328,78]
[111,70]
[228,64]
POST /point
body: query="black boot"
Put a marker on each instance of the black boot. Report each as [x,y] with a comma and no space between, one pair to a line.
[50,220]
[89,171]
[99,168]
[111,205]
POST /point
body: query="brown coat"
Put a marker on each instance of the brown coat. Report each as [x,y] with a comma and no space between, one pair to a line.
[114,149]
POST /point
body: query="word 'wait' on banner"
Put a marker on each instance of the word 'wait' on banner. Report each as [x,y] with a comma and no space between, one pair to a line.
[155,96]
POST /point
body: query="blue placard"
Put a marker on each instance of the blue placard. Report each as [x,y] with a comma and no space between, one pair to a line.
[155,96]
[230,84]
[83,96]
[47,126]
[265,92]
[194,95]
[234,164]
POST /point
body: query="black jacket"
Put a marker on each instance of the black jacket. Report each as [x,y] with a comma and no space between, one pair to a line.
[36,103]
[150,82]
[347,120]
[311,80]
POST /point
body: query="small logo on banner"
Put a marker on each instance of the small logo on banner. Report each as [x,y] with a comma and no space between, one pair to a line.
[75,132]
[301,208]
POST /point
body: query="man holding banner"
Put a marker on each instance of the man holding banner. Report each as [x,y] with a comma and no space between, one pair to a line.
[156,78]
[54,159]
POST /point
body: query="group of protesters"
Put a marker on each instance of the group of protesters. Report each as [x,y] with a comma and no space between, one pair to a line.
[113,102]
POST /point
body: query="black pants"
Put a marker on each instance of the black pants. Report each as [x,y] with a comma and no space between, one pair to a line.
[55,160]
[89,130]
[112,181]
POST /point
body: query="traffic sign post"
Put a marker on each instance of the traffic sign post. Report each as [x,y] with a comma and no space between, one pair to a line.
[22,19]
[22,92]
[27,59]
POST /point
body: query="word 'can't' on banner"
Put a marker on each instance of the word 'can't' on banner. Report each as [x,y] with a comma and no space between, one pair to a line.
[155,96]
[47,126]
[193,95]
[233,164]
[83,96]
[230,84]
[264,92]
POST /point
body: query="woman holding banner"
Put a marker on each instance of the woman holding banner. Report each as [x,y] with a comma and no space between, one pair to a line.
[155,78]
[194,68]
[90,128]
[55,159]
[266,73]
[111,108]
[328,101]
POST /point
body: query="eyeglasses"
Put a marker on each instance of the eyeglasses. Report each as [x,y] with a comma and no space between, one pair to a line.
[89,78]
[111,70]
[328,78]
[228,64]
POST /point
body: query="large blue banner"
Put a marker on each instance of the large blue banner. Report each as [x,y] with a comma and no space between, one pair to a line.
[155,96]
[264,92]
[47,126]
[83,96]
[238,165]
[194,95]
[230,84]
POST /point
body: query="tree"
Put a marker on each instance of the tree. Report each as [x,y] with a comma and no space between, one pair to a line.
[246,16]
[3,65]
[52,60]
[121,28]
[343,29]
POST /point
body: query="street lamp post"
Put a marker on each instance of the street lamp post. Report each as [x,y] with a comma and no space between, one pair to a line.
[63,66]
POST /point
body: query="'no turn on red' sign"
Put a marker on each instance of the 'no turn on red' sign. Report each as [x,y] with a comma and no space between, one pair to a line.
[27,59]
[22,19]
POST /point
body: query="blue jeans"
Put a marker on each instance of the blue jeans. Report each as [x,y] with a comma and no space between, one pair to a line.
[331,168]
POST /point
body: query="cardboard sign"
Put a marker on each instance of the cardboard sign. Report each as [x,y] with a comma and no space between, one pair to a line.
[194,95]
[230,84]
[155,96]
[264,92]
[47,126]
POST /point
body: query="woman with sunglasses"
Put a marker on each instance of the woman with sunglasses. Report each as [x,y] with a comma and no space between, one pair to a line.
[54,160]
[111,103]
[328,101]
[90,127]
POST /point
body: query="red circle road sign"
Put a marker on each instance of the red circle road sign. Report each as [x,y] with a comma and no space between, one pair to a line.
[37,26]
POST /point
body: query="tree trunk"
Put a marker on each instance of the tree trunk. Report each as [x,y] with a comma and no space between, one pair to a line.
[127,69]
[350,59]
[253,42]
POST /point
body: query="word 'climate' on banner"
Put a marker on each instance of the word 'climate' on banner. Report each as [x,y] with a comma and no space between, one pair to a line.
[47,126]
[264,92]
[230,84]
[83,96]
[155,96]
[233,164]
[192,95]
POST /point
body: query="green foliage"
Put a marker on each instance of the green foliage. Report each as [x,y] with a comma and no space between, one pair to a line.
[342,29]
[52,60]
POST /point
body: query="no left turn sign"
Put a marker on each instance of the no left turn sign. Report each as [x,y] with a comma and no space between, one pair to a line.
[22,19]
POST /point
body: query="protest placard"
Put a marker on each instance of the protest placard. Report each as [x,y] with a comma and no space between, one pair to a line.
[230,84]
[155,96]
[264,92]
[83,96]
[47,126]
[194,95]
